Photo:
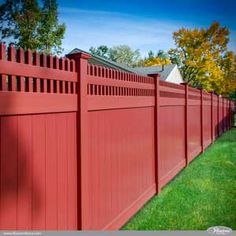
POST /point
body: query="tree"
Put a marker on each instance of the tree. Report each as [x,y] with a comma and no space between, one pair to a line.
[18,22]
[156,61]
[151,54]
[26,24]
[204,59]
[174,57]
[161,58]
[122,54]
[101,51]
[50,33]
[162,54]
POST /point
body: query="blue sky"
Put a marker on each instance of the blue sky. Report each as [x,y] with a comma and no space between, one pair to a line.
[145,25]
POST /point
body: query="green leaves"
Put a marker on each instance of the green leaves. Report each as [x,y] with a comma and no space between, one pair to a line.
[50,32]
[122,54]
[28,25]
[101,51]
[203,58]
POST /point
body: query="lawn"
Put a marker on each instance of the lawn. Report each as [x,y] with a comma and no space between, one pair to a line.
[201,196]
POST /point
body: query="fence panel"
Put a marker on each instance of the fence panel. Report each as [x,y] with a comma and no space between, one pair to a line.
[215,116]
[225,114]
[207,120]
[172,130]
[220,122]
[194,123]
[38,105]
[121,156]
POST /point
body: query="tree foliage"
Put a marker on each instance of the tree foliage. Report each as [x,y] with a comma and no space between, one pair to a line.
[101,51]
[122,54]
[26,24]
[157,61]
[50,31]
[204,59]
[161,58]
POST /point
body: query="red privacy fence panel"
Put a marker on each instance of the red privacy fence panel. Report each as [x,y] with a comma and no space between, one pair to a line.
[84,146]
[171,130]
[38,104]
[121,157]
[194,124]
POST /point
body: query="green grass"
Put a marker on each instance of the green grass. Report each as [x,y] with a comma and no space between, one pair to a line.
[201,196]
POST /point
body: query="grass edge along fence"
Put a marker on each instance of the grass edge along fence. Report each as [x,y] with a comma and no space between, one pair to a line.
[84,146]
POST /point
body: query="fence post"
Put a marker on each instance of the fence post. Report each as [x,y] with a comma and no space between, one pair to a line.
[81,63]
[201,113]
[157,126]
[212,117]
[186,124]
[229,109]
[230,114]
[218,115]
[233,113]
[223,113]
[3,79]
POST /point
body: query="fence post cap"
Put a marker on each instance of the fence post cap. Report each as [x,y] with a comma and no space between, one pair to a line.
[154,75]
[79,55]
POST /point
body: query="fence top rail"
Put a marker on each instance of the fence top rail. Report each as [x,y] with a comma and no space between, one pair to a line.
[194,91]
[28,57]
[27,71]
[108,73]
[206,94]
[215,98]
[171,85]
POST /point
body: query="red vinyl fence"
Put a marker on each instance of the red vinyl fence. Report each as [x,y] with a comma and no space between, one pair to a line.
[84,146]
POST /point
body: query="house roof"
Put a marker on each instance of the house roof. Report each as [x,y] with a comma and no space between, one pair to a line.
[97,60]
[164,71]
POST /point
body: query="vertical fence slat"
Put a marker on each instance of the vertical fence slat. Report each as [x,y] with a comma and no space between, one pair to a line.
[51,82]
[212,117]
[201,118]
[28,60]
[186,125]
[12,85]
[56,66]
[218,115]
[20,59]
[3,78]
[43,63]
[36,62]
